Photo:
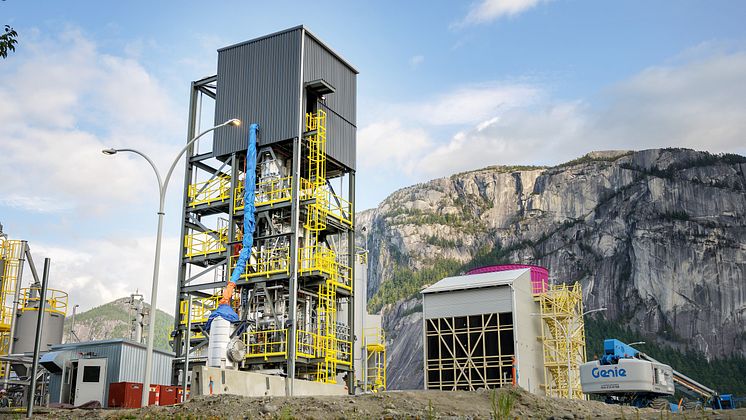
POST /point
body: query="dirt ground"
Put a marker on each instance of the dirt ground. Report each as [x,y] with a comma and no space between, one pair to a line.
[387,405]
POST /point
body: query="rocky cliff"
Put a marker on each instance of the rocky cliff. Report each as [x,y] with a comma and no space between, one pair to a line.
[656,236]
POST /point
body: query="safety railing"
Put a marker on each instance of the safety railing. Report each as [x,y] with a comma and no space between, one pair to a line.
[265,344]
[201,309]
[342,350]
[205,243]
[215,189]
[272,192]
[309,345]
[375,339]
[362,256]
[339,208]
[56,300]
[323,260]
[265,262]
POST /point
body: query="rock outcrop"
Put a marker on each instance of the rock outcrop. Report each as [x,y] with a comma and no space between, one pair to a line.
[656,236]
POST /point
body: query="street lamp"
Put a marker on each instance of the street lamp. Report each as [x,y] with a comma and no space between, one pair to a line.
[162,186]
[569,371]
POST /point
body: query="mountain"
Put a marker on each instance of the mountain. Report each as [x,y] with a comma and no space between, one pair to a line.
[656,236]
[112,320]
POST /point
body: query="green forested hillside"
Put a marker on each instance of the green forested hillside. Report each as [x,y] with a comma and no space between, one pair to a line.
[111,320]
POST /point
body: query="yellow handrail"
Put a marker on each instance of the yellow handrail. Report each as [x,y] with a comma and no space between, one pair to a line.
[56,300]
[206,192]
[266,262]
[204,243]
[272,192]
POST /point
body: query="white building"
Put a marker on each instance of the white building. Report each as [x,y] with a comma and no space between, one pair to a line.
[482,331]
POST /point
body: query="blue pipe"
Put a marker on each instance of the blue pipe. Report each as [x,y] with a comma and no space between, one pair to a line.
[249,223]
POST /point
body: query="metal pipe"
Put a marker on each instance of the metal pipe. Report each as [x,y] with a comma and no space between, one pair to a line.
[351,301]
[32,266]
[37,341]
[295,226]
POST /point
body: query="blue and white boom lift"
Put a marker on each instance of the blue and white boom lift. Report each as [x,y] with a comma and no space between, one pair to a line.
[625,375]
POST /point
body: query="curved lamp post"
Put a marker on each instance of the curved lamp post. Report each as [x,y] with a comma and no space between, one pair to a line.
[162,186]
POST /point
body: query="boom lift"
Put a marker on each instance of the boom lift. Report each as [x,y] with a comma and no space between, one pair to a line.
[628,376]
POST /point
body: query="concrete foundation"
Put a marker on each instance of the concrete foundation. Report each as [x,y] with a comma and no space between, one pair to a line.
[215,381]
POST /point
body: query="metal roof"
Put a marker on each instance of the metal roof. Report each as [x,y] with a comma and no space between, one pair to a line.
[295,28]
[475,281]
[124,341]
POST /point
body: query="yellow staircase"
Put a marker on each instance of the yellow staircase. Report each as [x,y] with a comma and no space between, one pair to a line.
[563,339]
[375,363]
[11,252]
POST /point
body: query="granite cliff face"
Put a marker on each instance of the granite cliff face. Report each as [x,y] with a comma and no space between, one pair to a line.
[656,236]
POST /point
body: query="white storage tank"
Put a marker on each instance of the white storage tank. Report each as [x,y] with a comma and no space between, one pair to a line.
[217,348]
[55,309]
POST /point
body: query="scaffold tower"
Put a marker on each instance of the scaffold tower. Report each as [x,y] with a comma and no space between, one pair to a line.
[11,265]
[563,339]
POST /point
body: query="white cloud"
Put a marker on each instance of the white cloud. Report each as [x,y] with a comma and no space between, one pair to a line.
[98,271]
[699,103]
[490,10]
[416,60]
[34,204]
[470,104]
[524,136]
[61,102]
[389,145]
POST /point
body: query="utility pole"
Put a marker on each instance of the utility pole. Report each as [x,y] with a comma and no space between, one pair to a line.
[37,341]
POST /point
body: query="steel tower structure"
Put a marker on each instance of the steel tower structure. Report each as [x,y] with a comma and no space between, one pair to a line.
[295,299]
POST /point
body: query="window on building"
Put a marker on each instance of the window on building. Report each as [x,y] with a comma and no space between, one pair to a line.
[91,373]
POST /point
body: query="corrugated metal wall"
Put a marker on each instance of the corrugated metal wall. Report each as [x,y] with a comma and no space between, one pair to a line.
[258,82]
[487,300]
[125,363]
[320,63]
[132,365]
[55,386]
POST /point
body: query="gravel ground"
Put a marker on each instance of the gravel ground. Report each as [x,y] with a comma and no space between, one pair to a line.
[388,405]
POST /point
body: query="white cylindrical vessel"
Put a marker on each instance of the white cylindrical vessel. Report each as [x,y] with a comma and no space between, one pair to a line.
[217,348]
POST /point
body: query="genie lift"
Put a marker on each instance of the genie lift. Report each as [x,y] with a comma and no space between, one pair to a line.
[625,375]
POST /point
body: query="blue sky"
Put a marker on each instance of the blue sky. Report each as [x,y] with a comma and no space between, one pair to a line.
[444,87]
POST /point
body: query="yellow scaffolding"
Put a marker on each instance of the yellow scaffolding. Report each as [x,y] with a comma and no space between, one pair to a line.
[264,262]
[326,370]
[202,307]
[320,259]
[375,363]
[11,252]
[205,243]
[273,343]
[563,338]
[216,189]
[272,192]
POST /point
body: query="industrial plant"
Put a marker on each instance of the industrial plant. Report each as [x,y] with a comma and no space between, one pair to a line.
[271,296]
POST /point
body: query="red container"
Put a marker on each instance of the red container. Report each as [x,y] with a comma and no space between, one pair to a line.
[170,395]
[129,395]
[125,394]
[155,395]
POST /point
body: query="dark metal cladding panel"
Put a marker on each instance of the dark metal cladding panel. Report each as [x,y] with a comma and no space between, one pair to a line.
[258,82]
[341,106]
